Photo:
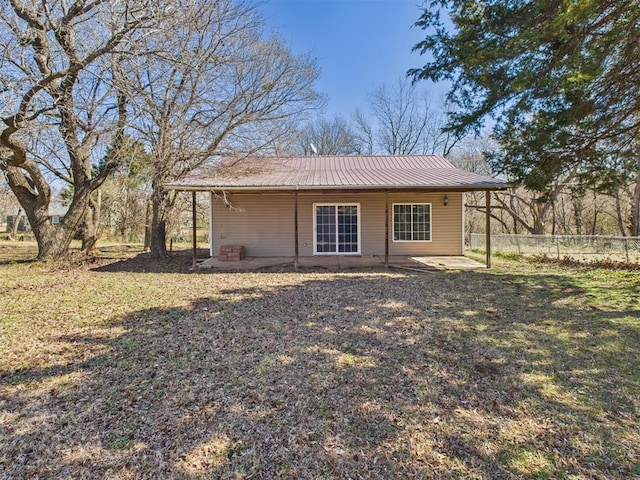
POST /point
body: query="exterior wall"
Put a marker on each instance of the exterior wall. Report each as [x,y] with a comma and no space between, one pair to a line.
[446,225]
[264,223]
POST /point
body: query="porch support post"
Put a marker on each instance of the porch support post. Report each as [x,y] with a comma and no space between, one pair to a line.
[295,228]
[193,226]
[211,199]
[386,229]
[487,197]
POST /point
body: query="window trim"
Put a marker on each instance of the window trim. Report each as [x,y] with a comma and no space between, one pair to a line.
[393,223]
[315,227]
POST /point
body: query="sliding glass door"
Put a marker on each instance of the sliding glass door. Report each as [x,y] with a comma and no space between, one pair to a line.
[336,229]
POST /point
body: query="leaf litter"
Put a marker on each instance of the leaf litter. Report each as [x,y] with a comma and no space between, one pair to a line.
[121,371]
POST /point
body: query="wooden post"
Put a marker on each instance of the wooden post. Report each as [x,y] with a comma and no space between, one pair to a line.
[193,221]
[211,199]
[386,229]
[295,228]
[487,197]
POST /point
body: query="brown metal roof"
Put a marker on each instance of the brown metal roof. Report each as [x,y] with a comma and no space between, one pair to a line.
[338,172]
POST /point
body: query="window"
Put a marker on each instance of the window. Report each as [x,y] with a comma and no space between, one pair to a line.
[336,228]
[411,222]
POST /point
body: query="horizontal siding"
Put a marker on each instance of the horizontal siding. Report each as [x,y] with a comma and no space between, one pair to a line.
[371,212]
[446,225]
[262,223]
[265,223]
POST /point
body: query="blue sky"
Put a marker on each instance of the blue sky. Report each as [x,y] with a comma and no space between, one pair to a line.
[358,44]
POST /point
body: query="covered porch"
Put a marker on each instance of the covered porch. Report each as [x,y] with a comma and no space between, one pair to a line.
[338,212]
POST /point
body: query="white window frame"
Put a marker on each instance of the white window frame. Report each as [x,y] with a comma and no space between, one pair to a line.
[315,228]
[393,222]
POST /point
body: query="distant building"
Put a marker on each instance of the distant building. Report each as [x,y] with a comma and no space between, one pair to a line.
[56,212]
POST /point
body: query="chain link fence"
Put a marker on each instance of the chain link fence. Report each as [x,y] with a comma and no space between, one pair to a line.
[578,247]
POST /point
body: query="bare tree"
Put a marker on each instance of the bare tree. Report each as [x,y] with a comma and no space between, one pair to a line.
[217,87]
[124,194]
[469,154]
[517,209]
[364,135]
[62,105]
[403,122]
[328,137]
[570,207]
[8,205]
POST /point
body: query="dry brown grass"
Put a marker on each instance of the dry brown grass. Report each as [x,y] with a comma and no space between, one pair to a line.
[131,369]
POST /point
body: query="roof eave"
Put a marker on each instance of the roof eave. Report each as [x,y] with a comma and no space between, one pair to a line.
[355,188]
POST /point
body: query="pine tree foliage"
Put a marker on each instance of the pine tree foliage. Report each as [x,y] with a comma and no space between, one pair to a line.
[559,79]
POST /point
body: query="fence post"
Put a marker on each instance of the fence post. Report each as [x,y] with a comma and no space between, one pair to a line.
[558,247]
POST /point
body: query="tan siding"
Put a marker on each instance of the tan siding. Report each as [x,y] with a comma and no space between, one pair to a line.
[265,226]
[371,213]
[446,225]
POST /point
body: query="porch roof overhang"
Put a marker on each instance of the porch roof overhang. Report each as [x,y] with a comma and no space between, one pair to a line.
[341,189]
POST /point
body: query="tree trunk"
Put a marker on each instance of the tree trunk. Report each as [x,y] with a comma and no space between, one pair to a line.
[34,196]
[595,213]
[576,203]
[122,228]
[512,204]
[159,209]
[619,216]
[16,223]
[53,244]
[539,219]
[159,238]
[91,230]
[635,209]
[635,206]
[147,227]
[53,240]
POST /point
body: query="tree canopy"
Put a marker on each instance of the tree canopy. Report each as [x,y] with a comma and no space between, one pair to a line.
[560,79]
[189,81]
[62,103]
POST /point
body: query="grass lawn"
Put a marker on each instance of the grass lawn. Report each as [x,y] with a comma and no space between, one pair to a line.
[126,368]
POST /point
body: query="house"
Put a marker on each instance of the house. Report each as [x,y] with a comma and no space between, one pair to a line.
[56,212]
[339,205]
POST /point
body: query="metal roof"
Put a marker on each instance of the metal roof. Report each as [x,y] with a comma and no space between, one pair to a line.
[356,172]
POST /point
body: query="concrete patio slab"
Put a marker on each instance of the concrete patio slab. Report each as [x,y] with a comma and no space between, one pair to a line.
[247,263]
[340,262]
[449,263]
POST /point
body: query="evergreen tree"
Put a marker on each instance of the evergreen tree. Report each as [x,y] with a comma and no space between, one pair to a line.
[560,79]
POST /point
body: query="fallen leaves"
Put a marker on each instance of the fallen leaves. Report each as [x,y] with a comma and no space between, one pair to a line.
[131,372]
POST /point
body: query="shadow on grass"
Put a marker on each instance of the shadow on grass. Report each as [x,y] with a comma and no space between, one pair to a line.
[469,375]
[178,262]
[16,253]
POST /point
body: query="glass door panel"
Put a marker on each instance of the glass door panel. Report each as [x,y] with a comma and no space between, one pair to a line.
[336,229]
